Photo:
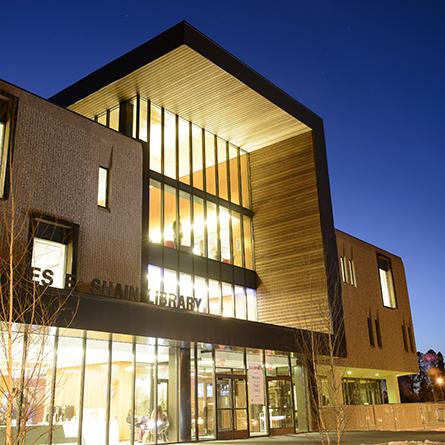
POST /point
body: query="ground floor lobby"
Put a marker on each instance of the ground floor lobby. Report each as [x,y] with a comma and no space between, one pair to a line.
[96,388]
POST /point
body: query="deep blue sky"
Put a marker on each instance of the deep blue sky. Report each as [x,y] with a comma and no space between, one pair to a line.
[374,71]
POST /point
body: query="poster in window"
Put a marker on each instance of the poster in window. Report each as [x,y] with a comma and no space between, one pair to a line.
[256,384]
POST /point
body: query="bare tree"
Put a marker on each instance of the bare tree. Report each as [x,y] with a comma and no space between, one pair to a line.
[324,344]
[28,311]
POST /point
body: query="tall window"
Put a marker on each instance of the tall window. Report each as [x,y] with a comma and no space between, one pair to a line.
[53,253]
[344,276]
[234,171]
[102,195]
[155,138]
[210,296]
[248,241]
[352,272]
[212,231]
[184,151]
[114,118]
[5,117]
[386,282]
[181,150]
[197,158]
[222,169]
[155,211]
[170,216]
[210,163]
[198,227]
[169,145]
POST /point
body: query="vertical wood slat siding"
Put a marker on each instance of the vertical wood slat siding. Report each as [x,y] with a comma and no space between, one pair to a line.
[289,254]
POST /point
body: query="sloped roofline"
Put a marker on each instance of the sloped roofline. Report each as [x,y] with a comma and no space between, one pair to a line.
[184,34]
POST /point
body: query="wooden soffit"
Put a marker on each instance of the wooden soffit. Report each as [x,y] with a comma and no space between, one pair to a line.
[190,85]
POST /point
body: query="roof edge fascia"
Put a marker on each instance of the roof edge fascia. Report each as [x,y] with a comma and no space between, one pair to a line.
[184,34]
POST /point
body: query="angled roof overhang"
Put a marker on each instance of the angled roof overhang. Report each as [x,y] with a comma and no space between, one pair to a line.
[188,74]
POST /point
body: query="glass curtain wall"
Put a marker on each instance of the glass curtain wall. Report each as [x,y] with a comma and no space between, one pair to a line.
[210,296]
[182,150]
[114,388]
[202,228]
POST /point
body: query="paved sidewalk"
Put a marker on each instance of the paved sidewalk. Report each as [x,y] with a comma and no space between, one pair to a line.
[348,438]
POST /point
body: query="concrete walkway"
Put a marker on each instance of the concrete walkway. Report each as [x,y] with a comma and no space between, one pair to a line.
[348,438]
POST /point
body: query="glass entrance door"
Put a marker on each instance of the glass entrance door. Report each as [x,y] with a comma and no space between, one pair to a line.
[280,406]
[232,422]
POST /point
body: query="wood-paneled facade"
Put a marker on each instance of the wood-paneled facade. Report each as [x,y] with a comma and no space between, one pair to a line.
[289,245]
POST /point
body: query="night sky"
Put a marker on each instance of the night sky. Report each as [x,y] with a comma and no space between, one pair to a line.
[374,71]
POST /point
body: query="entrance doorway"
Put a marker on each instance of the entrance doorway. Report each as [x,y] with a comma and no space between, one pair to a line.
[232,417]
[280,405]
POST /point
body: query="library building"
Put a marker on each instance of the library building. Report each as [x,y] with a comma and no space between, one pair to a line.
[178,205]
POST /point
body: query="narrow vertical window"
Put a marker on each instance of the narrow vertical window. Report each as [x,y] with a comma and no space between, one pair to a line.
[143,116]
[212,231]
[224,223]
[378,333]
[102,195]
[155,212]
[222,169]
[114,118]
[197,158]
[237,252]
[227,300]
[154,281]
[155,138]
[198,227]
[169,145]
[170,215]
[252,309]
[245,189]
[214,298]
[248,241]
[370,332]
[170,282]
[131,118]
[184,229]
[411,338]
[210,163]
[240,303]
[5,129]
[352,273]
[201,294]
[386,282]
[344,276]
[184,151]
[185,287]
[405,341]
[234,170]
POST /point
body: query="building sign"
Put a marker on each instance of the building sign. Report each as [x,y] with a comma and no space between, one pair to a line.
[172,300]
[109,289]
[256,384]
[50,278]
[121,291]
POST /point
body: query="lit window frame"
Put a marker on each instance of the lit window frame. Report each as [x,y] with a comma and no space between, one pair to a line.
[386,279]
[344,272]
[103,191]
[8,115]
[352,273]
[57,231]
